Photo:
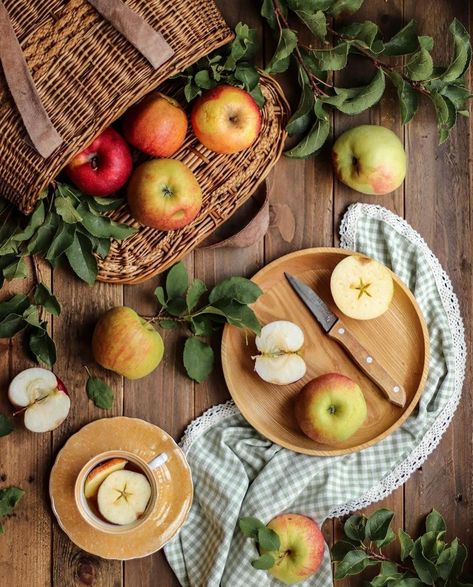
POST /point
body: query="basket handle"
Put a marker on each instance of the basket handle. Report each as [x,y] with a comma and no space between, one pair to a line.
[44,136]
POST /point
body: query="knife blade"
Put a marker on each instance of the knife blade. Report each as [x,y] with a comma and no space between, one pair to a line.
[337,330]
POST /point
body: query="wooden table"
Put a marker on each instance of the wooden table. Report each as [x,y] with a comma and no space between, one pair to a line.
[307,204]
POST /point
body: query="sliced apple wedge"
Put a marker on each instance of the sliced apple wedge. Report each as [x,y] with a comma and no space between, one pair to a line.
[362,288]
[43,395]
[99,473]
[123,496]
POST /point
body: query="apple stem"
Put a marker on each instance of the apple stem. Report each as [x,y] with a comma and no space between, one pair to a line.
[20,411]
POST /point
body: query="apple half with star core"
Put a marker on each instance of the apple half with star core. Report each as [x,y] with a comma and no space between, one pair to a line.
[126,344]
[301,548]
[43,395]
[370,159]
[330,408]
[123,496]
[99,473]
[103,167]
[362,288]
[226,119]
[164,194]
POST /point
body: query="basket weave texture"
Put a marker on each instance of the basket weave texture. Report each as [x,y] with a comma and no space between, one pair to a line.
[87,75]
[227,181]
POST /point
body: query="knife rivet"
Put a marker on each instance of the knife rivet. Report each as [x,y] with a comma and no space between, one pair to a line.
[341,331]
[396,389]
[369,359]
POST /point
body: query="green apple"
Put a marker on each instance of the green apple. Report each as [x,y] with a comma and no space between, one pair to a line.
[330,408]
[301,548]
[126,344]
[370,159]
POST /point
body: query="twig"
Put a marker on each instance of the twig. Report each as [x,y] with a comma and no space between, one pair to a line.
[384,559]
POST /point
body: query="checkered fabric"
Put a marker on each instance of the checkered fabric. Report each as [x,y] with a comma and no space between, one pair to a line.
[237,472]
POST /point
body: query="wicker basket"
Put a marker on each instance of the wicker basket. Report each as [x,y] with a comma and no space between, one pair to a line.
[227,181]
[87,74]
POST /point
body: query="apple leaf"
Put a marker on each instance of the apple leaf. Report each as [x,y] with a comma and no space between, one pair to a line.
[35,221]
[355,527]
[6,425]
[462,55]
[406,542]
[365,33]
[404,41]
[177,281]
[250,526]
[268,539]
[104,227]
[332,59]
[313,141]
[16,270]
[81,258]
[408,98]
[340,549]
[160,296]
[377,525]
[198,359]
[359,99]
[303,115]
[353,563]
[10,325]
[42,345]
[9,497]
[100,393]
[345,7]
[240,289]
[264,562]
[61,241]
[421,66]
[435,522]
[280,60]
[44,297]
[194,293]
[17,304]
[314,18]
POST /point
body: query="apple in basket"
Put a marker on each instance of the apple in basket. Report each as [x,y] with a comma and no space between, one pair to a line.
[103,167]
[126,344]
[156,126]
[330,408]
[226,119]
[370,159]
[42,397]
[301,548]
[164,194]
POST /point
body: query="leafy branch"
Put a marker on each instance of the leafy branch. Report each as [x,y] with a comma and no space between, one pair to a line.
[9,497]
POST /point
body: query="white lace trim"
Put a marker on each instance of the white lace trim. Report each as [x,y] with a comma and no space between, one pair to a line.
[452,310]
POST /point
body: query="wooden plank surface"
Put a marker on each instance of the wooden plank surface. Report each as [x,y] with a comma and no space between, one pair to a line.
[306,205]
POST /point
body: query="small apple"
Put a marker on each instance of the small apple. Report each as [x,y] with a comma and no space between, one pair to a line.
[330,408]
[301,550]
[126,344]
[280,343]
[362,288]
[43,395]
[226,119]
[99,473]
[123,496]
[156,126]
[103,167]
[370,159]
[164,194]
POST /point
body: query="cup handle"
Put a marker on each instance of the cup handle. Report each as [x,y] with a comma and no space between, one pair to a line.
[158,461]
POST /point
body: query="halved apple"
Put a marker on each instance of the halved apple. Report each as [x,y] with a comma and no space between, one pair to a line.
[43,395]
[362,288]
[98,474]
[123,496]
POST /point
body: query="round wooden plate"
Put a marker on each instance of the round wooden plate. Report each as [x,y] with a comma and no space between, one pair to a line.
[398,339]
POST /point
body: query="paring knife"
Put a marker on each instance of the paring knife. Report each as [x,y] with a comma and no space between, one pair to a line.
[337,330]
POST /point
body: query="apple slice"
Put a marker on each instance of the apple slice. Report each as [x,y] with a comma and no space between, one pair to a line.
[279,344]
[123,496]
[362,288]
[99,473]
[43,395]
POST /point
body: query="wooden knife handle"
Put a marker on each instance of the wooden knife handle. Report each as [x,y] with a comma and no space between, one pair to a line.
[368,364]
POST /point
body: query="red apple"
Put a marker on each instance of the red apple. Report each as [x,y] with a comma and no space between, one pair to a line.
[164,194]
[156,126]
[103,167]
[301,550]
[226,119]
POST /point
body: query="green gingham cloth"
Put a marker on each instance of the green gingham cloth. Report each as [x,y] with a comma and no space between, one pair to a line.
[237,472]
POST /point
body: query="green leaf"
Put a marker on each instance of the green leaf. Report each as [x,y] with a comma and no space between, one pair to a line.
[257,95]
[446,115]
[240,289]
[31,316]
[388,539]
[104,204]
[425,568]
[202,79]
[314,19]
[364,33]
[435,522]
[362,98]
[250,526]
[420,66]
[268,539]
[406,542]
[312,142]
[345,7]
[11,325]
[408,582]
[100,393]
[168,324]
[17,304]
[201,325]
[43,297]
[191,90]
[16,270]
[267,11]
[462,54]
[303,115]
[42,346]
[35,221]
[177,281]
[248,75]
[340,549]
[353,563]
[263,563]
[176,306]
[236,314]
[198,359]
[159,293]
[9,497]
[194,293]
[377,525]
[104,227]
[458,95]
[354,527]
[66,210]
[286,45]
[446,560]
[42,240]
[6,425]
[61,241]
[81,259]
[332,59]
[403,42]
[408,98]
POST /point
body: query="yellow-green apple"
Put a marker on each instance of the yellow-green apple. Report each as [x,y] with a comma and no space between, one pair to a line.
[301,548]
[156,126]
[126,343]
[103,167]
[362,288]
[43,395]
[370,159]
[99,473]
[279,361]
[226,119]
[123,496]
[330,408]
[164,194]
